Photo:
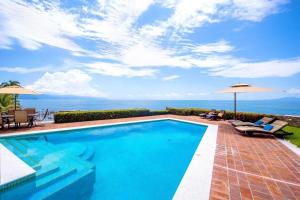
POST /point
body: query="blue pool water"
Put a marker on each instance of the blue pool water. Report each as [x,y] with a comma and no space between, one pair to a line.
[145,160]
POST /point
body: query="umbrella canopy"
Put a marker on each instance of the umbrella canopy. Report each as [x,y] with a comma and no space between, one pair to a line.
[16,89]
[243,88]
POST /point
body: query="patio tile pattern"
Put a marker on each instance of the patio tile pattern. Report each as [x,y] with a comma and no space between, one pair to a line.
[244,167]
[253,168]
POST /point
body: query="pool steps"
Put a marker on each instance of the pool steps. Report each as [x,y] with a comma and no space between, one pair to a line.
[76,148]
[21,153]
[53,176]
[53,191]
[88,154]
[43,182]
[47,171]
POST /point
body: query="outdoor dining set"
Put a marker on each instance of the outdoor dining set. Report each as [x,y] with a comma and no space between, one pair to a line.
[19,118]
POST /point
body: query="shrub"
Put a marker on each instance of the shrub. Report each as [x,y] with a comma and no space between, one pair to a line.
[186,111]
[78,116]
[244,116]
[159,112]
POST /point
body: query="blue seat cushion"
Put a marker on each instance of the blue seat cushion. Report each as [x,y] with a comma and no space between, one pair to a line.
[268,127]
[259,122]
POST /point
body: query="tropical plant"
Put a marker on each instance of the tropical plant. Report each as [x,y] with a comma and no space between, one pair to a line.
[7,100]
[10,83]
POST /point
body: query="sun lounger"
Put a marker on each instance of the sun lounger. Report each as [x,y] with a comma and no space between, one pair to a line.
[267,129]
[221,115]
[215,116]
[204,115]
[261,122]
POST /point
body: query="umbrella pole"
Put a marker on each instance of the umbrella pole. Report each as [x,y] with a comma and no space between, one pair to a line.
[15,102]
[235,105]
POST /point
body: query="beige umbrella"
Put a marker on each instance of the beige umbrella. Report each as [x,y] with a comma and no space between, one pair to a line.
[243,88]
[16,89]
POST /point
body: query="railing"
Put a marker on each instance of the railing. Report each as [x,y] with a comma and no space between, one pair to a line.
[45,115]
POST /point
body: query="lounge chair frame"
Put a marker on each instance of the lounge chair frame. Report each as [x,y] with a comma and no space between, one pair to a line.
[278,125]
[265,120]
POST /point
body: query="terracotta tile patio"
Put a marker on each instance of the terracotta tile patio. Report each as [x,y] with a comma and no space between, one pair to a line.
[244,167]
[253,168]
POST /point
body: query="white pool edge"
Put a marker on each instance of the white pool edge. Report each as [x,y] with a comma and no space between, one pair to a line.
[13,170]
[196,181]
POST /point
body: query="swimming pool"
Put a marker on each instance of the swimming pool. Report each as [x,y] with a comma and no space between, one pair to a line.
[143,160]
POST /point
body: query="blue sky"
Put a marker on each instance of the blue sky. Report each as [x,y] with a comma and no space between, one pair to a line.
[151,49]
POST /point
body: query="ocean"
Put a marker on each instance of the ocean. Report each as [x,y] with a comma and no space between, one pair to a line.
[285,106]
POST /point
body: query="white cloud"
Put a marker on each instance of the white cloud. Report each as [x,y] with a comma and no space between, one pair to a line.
[169,78]
[215,62]
[37,23]
[197,94]
[144,54]
[217,47]
[24,70]
[117,21]
[256,10]
[188,16]
[293,91]
[168,95]
[160,96]
[72,82]
[113,69]
[34,25]
[136,49]
[273,68]
[5,43]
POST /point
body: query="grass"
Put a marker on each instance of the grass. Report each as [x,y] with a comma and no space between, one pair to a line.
[295,138]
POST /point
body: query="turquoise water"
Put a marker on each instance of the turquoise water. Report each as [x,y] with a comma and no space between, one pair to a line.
[133,161]
[287,106]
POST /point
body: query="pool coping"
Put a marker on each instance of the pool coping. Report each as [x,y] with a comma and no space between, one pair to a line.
[195,183]
[13,170]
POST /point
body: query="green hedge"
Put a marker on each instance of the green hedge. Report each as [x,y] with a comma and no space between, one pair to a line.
[244,116]
[78,116]
[186,111]
[159,112]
